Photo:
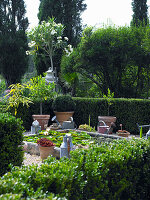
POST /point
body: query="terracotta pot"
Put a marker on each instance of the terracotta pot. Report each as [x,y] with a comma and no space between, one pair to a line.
[46,151]
[63,116]
[107,119]
[42,119]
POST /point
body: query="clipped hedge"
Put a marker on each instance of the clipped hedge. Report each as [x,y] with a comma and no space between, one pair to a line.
[128,112]
[118,170]
[11,137]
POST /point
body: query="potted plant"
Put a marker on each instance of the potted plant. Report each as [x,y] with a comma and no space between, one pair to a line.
[41,91]
[123,133]
[63,107]
[108,119]
[46,147]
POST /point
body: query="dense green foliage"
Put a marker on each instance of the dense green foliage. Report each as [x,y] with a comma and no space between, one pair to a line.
[13,40]
[41,90]
[10,138]
[127,111]
[114,58]
[118,170]
[63,103]
[2,87]
[140,12]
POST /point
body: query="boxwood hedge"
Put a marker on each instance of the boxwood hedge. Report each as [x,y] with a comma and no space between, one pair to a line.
[117,170]
[11,137]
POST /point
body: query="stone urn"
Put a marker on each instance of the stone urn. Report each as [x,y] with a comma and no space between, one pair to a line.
[63,116]
[42,119]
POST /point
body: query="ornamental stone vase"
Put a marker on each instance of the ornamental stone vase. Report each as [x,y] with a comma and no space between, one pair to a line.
[63,116]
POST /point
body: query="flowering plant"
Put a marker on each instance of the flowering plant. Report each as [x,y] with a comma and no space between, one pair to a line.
[44,142]
[48,37]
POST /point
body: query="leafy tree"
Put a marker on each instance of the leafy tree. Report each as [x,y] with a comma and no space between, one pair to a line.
[140,12]
[68,13]
[110,57]
[48,37]
[13,40]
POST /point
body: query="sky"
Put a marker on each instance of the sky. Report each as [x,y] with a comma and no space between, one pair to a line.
[98,12]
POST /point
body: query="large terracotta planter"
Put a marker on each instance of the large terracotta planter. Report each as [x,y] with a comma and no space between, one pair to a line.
[46,151]
[107,119]
[63,116]
[42,119]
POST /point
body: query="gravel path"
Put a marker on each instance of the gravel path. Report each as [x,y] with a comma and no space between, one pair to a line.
[31,159]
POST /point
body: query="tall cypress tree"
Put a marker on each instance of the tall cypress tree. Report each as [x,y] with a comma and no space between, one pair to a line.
[13,40]
[140,12]
[66,12]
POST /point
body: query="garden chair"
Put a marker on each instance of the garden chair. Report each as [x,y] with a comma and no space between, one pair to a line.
[143,126]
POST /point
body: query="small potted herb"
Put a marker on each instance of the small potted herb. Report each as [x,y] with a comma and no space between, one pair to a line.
[46,147]
[108,119]
[63,107]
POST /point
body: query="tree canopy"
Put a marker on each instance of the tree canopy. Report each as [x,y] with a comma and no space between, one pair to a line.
[114,58]
[140,12]
[13,40]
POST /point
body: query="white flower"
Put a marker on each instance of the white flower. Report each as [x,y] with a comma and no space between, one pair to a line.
[59,24]
[27,52]
[70,48]
[53,32]
[66,38]
[47,24]
[31,44]
[59,38]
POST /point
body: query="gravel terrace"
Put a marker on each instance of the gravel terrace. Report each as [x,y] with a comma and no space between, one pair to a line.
[31,159]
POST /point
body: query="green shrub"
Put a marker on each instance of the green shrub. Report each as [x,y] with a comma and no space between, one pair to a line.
[118,170]
[63,103]
[11,137]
